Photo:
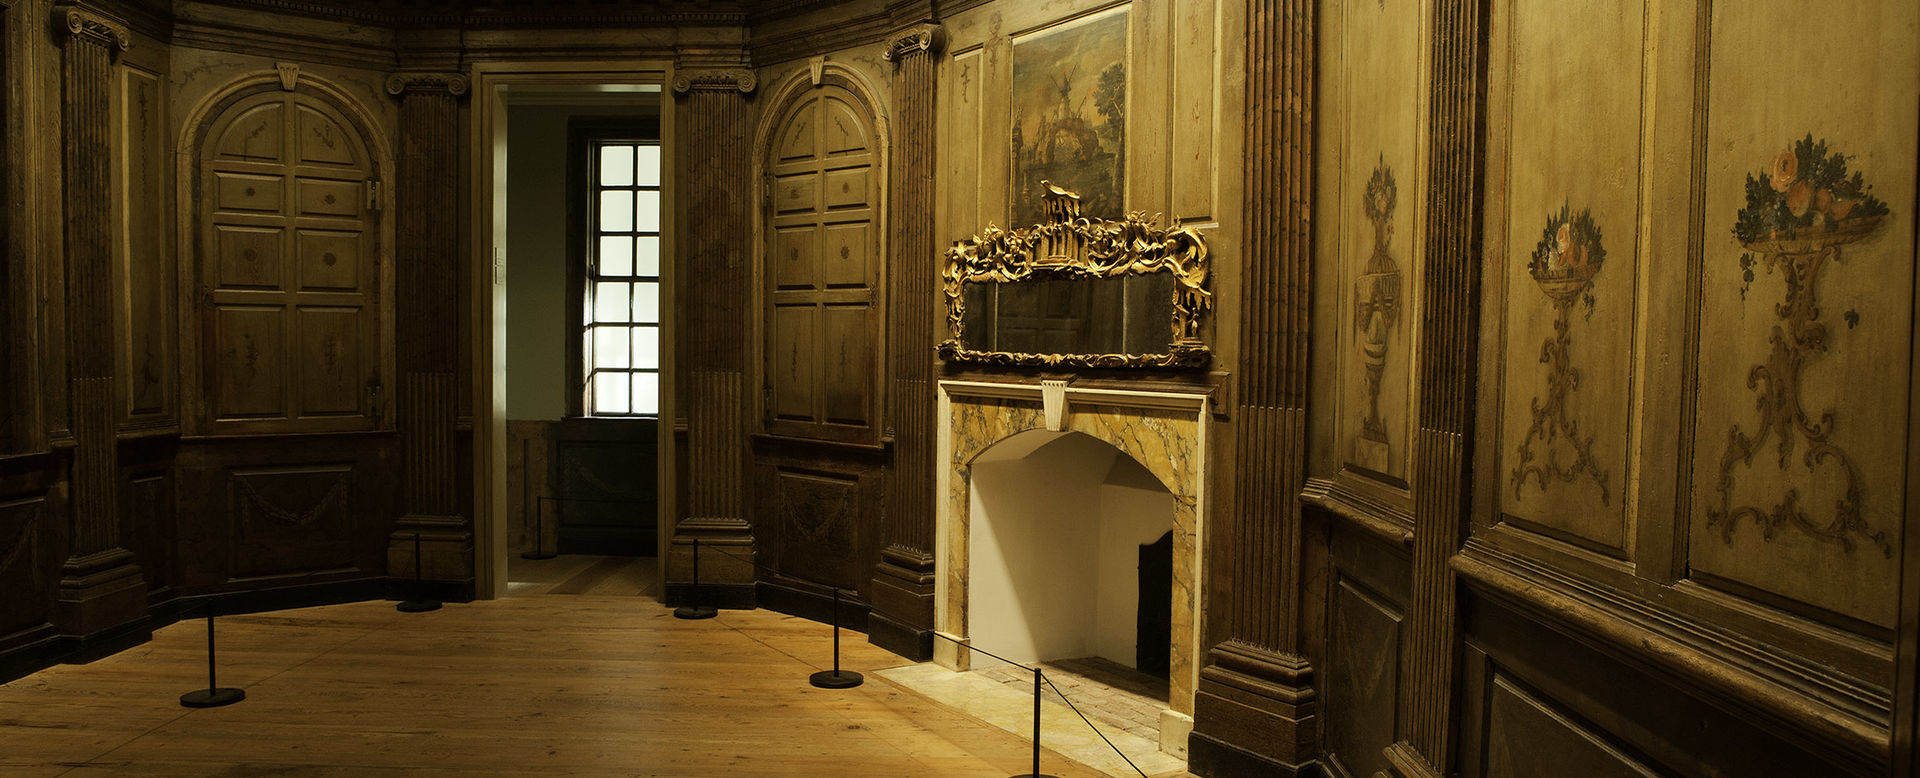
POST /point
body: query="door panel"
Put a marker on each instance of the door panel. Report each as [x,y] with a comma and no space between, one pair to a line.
[822,274]
[288,272]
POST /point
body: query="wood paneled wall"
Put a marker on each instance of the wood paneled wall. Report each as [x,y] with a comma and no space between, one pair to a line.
[1563,387]
[1635,509]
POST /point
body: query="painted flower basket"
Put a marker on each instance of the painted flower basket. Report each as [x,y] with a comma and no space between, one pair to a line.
[1813,240]
[1568,256]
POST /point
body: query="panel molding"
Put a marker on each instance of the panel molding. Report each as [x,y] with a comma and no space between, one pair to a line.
[1836,716]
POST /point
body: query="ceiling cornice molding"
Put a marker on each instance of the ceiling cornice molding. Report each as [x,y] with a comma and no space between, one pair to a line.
[829,36]
[552,13]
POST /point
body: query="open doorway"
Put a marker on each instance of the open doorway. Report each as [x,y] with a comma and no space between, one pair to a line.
[577,225]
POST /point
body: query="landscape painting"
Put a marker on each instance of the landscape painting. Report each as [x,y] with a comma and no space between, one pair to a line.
[1069,115]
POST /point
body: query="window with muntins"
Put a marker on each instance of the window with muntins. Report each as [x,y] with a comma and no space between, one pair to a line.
[620,334]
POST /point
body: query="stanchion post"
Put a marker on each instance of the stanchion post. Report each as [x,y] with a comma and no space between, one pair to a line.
[696,607]
[1039,681]
[419,603]
[213,696]
[836,678]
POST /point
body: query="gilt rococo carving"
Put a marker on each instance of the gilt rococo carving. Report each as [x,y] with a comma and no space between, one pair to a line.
[1067,245]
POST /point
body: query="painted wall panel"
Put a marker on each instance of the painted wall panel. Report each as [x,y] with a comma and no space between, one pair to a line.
[1807,288]
[1573,100]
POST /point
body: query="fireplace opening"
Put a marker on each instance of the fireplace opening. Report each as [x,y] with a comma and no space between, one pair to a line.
[1071,553]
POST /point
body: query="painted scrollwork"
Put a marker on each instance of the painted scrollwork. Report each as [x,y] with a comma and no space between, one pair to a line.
[1799,212]
[1067,245]
[1564,265]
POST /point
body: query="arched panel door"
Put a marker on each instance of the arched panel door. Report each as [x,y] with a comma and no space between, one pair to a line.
[823,314]
[287,270]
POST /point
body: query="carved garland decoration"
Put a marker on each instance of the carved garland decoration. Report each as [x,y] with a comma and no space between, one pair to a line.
[253,503]
[1070,246]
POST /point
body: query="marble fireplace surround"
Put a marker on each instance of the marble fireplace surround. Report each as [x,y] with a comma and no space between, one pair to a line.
[1164,431]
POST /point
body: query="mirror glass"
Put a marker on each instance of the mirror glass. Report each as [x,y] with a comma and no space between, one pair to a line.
[1071,315]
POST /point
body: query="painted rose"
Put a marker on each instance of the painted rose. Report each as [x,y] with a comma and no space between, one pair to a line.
[1563,246]
[1800,197]
[1784,170]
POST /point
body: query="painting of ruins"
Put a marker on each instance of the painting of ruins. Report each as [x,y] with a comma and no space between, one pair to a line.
[1069,115]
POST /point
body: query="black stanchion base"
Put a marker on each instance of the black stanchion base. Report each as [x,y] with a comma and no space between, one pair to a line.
[1032,775]
[417,606]
[212,698]
[537,555]
[695,612]
[836,679]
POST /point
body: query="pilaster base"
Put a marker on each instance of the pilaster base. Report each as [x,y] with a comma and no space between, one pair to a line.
[1404,761]
[726,569]
[101,593]
[1256,713]
[902,616]
[445,563]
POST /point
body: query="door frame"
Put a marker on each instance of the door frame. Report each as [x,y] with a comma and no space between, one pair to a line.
[494,86]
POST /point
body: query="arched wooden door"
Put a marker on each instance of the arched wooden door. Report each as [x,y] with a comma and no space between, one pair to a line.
[287,270]
[822,323]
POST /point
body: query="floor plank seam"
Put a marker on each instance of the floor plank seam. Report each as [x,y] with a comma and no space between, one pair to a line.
[255,685]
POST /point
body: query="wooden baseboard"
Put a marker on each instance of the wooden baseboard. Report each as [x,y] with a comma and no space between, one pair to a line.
[39,649]
[1210,758]
[908,641]
[810,604]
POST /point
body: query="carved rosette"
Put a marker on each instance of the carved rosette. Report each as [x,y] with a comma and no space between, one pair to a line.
[421,81]
[927,39]
[1071,246]
[729,80]
[88,28]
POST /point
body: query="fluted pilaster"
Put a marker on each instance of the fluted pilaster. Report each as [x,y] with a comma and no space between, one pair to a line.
[714,275]
[1446,382]
[427,244]
[100,586]
[1255,682]
[902,616]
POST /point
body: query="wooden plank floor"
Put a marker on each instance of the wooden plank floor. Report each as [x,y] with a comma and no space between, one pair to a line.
[583,574]
[559,685]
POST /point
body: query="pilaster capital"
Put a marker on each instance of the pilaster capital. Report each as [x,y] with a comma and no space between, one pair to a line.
[928,38]
[730,79]
[426,81]
[91,28]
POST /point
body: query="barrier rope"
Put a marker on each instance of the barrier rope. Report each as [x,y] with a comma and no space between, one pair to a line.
[970,647]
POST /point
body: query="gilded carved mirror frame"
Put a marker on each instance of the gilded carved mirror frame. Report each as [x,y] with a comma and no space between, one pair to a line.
[1068,245]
